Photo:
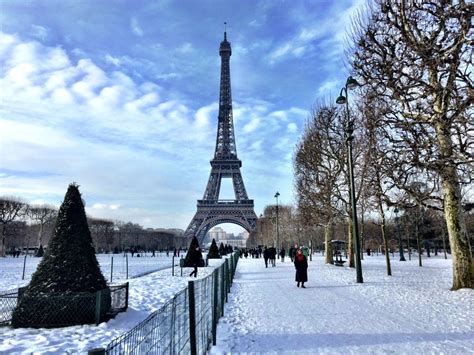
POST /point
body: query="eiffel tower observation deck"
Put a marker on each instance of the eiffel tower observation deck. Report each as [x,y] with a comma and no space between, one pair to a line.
[211,210]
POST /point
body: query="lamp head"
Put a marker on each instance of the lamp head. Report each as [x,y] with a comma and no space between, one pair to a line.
[277,194]
[351,83]
[341,99]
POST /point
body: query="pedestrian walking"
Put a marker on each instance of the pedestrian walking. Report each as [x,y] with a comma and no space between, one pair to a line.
[266,255]
[195,260]
[272,252]
[282,255]
[301,266]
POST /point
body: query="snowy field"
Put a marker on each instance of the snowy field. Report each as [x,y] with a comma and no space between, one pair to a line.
[411,312]
[12,268]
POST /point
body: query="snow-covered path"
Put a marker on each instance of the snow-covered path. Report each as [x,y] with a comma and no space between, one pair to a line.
[410,312]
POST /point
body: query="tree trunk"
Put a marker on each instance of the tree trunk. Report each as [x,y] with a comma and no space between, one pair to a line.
[384,238]
[3,251]
[362,230]
[40,235]
[328,246]
[418,242]
[463,268]
[350,246]
[443,234]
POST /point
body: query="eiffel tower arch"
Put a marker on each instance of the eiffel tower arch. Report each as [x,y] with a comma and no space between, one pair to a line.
[211,210]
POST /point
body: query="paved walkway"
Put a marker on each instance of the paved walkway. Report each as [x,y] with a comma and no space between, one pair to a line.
[268,313]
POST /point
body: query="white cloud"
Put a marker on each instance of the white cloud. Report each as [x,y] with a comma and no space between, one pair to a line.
[99,206]
[329,86]
[205,114]
[292,127]
[136,29]
[39,32]
[317,33]
[113,60]
[252,125]
[185,48]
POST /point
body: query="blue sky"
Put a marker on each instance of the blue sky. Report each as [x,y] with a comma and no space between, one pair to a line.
[122,97]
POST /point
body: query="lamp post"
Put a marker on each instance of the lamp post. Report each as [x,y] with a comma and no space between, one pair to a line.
[343,98]
[278,230]
[400,246]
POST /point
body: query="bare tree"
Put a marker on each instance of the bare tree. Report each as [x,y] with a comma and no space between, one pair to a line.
[42,214]
[11,209]
[416,58]
[102,233]
[320,174]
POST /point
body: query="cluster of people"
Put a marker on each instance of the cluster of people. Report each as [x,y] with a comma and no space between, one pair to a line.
[254,253]
[269,254]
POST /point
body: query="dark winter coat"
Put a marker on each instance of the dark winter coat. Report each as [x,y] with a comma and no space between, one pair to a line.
[272,253]
[266,253]
[195,258]
[301,266]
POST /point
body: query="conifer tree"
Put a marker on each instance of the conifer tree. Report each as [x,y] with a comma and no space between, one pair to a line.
[222,249]
[192,253]
[214,251]
[40,251]
[69,266]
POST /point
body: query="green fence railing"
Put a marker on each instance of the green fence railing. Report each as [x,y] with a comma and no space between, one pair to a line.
[65,309]
[186,324]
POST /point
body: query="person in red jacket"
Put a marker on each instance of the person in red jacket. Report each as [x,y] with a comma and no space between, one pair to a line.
[301,266]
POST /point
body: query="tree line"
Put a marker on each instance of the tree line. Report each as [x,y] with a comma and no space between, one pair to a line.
[412,123]
[27,226]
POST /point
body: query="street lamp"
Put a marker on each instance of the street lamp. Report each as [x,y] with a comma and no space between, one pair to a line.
[278,231]
[343,98]
[400,246]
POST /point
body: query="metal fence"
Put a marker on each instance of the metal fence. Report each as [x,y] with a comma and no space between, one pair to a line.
[63,310]
[187,323]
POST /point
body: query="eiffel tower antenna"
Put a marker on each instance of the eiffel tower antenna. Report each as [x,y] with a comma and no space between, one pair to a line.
[211,210]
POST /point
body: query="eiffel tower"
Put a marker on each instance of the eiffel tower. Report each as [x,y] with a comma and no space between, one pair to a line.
[211,210]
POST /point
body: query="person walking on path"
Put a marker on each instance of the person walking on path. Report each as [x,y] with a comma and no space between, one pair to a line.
[195,259]
[301,266]
[282,255]
[266,255]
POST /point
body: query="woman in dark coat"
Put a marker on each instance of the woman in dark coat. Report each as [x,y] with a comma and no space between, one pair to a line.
[301,266]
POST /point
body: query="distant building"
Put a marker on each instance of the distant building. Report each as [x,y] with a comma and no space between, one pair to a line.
[221,236]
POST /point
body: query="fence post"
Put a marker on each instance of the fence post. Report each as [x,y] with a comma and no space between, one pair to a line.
[126,262]
[192,319]
[222,270]
[126,297]
[172,266]
[111,268]
[180,263]
[24,267]
[231,274]
[98,298]
[214,308]
[173,321]
[226,276]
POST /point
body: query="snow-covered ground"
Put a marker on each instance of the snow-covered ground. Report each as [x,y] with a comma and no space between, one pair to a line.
[412,311]
[147,294]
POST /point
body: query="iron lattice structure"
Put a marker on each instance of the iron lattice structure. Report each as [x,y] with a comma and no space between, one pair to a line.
[211,210]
